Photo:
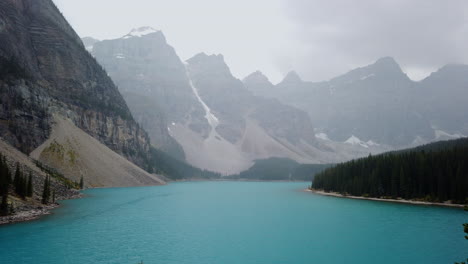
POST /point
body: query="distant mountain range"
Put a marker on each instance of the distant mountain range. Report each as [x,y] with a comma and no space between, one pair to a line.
[199,111]
[378,104]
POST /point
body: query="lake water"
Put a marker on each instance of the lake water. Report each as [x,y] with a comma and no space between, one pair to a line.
[234,223]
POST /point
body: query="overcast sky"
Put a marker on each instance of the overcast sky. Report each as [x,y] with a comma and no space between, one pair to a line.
[317,38]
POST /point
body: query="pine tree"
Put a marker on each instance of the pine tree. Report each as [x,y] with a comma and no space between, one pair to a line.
[81,183]
[4,186]
[437,175]
[46,191]
[4,205]
[30,186]
[17,180]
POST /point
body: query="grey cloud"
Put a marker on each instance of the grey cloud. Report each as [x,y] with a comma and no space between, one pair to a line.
[334,36]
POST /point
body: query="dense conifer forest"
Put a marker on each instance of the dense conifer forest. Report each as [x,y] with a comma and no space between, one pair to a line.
[435,172]
[175,169]
[280,169]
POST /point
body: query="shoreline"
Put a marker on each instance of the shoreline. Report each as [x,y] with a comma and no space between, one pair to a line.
[233,180]
[33,212]
[402,201]
[28,215]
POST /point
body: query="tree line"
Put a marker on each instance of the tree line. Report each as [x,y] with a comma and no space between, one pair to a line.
[429,173]
[280,169]
[20,185]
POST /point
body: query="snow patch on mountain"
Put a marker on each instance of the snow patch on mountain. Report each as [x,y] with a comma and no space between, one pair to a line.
[140,32]
[353,140]
[445,135]
[210,117]
[367,77]
[371,143]
[322,136]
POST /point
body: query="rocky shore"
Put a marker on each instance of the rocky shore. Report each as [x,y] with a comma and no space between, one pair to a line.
[33,209]
[414,202]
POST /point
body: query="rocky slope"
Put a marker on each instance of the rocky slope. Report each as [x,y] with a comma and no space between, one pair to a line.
[45,69]
[378,104]
[78,155]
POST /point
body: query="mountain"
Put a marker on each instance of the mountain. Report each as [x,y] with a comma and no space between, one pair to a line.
[245,127]
[154,82]
[446,101]
[48,79]
[434,173]
[379,104]
[89,43]
[199,112]
[258,83]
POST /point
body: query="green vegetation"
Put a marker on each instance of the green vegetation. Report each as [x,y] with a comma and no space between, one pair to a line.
[21,183]
[29,189]
[175,169]
[435,172]
[81,183]
[5,180]
[276,169]
[57,175]
[46,191]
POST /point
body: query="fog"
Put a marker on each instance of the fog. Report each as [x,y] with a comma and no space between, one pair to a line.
[318,38]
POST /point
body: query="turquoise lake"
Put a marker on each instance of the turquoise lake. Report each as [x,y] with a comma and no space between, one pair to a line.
[234,223]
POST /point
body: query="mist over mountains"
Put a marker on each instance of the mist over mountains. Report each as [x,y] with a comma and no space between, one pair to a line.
[215,120]
[198,111]
[378,103]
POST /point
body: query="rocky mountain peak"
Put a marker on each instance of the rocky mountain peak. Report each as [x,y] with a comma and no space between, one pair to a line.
[292,78]
[257,77]
[213,64]
[89,43]
[140,32]
[456,74]
[383,69]
[386,65]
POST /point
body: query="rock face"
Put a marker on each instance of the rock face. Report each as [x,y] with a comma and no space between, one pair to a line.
[234,105]
[379,104]
[152,79]
[44,70]
[199,111]
[78,155]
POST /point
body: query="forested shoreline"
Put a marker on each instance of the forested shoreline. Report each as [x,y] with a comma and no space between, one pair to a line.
[435,173]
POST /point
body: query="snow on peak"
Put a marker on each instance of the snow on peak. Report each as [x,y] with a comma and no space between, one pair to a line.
[440,134]
[140,32]
[119,56]
[371,143]
[322,136]
[353,140]
[367,77]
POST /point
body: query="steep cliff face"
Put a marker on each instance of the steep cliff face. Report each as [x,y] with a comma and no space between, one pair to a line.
[45,70]
[153,81]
